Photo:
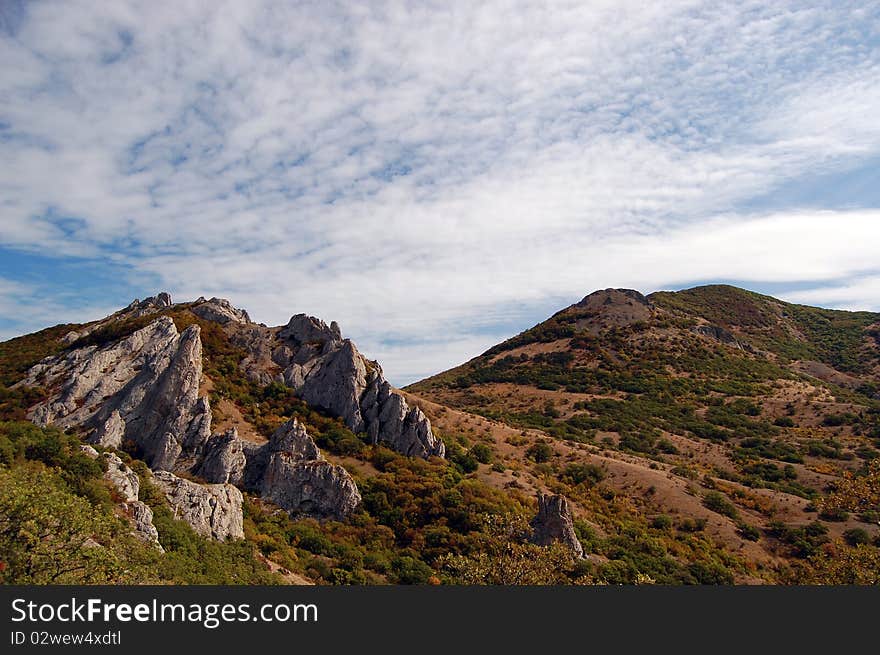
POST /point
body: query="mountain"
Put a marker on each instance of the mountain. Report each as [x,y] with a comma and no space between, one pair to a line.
[705,436]
[713,404]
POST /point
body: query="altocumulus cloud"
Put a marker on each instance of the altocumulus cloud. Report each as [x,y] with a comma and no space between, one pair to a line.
[434,176]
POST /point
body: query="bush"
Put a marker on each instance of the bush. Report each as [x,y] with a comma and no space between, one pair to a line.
[409,570]
[576,474]
[718,503]
[482,453]
[540,452]
[834,514]
[748,532]
[662,522]
[856,536]
[784,422]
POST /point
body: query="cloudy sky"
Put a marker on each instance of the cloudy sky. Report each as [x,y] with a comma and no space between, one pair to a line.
[435,176]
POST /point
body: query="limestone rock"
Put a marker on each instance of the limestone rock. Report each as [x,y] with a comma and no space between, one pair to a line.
[224,459]
[109,434]
[128,485]
[122,477]
[142,517]
[311,488]
[303,329]
[213,510]
[117,473]
[717,333]
[220,311]
[389,420]
[292,439]
[143,387]
[553,523]
[289,471]
[329,373]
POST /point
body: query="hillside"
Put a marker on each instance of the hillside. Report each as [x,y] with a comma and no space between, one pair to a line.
[713,403]
[710,436]
[184,443]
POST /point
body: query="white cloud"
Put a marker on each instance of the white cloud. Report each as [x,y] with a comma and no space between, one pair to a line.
[432,176]
[857,294]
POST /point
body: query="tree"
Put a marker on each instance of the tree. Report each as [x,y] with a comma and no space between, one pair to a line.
[855,493]
[48,535]
[507,558]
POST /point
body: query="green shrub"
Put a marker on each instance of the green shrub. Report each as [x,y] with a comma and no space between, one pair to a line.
[856,536]
[662,522]
[576,474]
[748,532]
[482,453]
[718,503]
[540,452]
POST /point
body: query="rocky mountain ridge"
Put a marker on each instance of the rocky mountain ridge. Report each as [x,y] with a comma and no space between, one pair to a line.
[144,388]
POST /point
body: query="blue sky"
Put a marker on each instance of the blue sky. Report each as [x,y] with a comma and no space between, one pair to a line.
[434,176]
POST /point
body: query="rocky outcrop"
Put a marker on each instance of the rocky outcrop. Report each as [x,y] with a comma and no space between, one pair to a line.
[313,488]
[149,305]
[143,388]
[127,484]
[110,433]
[135,309]
[717,333]
[142,517]
[289,471]
[390,420]
[298,479]
[224,459]
[213,510]
[302,329]
[553,523]
[123,478]
[220,311]
[329,373]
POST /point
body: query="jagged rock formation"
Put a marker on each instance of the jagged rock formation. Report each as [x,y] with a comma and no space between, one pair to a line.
[219,310]
[289,471]
[224,459]
[110,433]
[717,334]
[553,523]
[148,305]
[328,372]
[142,517]
[213,510]
[143,388]
[123,478]
[297,478]
[127,484]
[135,309]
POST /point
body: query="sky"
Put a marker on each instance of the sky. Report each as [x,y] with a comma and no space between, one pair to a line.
[435,176]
